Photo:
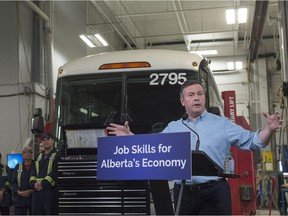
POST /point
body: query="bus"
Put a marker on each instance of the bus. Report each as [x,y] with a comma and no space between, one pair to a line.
[138,86]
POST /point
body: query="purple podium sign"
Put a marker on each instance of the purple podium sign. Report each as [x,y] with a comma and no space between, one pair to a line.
[164,156]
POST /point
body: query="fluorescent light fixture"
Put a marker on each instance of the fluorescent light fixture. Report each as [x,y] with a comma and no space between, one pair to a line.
[101,40]
[87,41]
[242,15]
[205,52]
[230,16]
[230,66]
[239,65]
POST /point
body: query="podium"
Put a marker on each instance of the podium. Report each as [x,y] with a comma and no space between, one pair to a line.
[160,188]
[156,158]
[161,197]
[169,156]
[208,168]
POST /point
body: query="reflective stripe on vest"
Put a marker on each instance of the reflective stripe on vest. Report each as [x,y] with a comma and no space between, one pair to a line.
[20,169]
[48,178]
[49,169]
[50,163]
[7,184]
[33,178]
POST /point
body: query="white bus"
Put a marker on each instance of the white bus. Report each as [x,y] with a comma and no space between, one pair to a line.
[141,86]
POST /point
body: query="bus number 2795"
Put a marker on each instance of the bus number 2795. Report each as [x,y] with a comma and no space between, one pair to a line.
[171,78]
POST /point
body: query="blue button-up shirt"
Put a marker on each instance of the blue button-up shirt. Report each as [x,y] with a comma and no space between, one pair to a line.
[216,134]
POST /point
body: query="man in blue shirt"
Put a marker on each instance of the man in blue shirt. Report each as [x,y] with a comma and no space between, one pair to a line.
[209,195]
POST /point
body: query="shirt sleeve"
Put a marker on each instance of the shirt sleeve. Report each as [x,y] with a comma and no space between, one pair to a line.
[242,138]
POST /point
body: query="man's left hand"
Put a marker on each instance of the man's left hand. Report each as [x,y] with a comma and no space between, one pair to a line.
[273,121]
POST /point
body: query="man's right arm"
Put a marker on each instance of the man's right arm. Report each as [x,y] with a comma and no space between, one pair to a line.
[119,130]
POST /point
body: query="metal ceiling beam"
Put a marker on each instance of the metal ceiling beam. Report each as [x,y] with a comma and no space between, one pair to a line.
[176,11]
[140,43]
[105,16]
[236,26]
[219,40]
[190,33]
[182,23]
[260,12]
[37,10]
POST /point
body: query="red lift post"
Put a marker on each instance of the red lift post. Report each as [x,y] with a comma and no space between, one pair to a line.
[243,189]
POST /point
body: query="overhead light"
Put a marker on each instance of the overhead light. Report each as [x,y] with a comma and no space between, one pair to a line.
[95,40]
[101,40]
[205,52]
[238,65]
[242,14]
[230,66]
[230,16]
[87,41]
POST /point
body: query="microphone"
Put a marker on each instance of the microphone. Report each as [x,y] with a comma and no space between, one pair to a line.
[184,117]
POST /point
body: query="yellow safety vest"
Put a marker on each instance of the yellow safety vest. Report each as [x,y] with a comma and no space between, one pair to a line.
[20,169]
[49,169]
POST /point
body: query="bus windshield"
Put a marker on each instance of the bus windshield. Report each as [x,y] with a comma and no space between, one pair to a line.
[148,99]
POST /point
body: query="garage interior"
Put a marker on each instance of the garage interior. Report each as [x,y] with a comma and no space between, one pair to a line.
[38,37]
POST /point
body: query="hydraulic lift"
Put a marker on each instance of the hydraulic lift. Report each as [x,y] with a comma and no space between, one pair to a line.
[243,189]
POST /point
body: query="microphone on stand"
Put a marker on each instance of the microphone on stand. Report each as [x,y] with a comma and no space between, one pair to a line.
[184,117]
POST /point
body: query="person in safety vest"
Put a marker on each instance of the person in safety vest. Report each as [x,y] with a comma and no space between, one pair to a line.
[5,188]
[21,188]
[44,178]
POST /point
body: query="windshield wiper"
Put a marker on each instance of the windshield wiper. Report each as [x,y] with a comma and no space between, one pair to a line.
[110,118]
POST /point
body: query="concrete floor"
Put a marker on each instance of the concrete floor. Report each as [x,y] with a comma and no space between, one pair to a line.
[258,212]
[266,212]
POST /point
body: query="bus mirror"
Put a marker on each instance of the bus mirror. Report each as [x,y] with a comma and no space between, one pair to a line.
[37,122]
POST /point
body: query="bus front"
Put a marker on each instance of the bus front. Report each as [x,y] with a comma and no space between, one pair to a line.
[141,87]
[141,92]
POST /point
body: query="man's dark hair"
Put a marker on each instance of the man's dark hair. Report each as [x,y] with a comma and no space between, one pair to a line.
[189,83]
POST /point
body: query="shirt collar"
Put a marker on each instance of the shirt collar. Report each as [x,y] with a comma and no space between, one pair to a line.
[203,114]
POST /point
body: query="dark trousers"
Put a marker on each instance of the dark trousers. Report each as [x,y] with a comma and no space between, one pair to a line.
[211,200]
[44,202]
[4,210]
[23,210]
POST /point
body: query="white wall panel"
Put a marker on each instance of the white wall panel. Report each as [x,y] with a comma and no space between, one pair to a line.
[25,43]
[8,43]
[14,114]
[69,22]
[15,60]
